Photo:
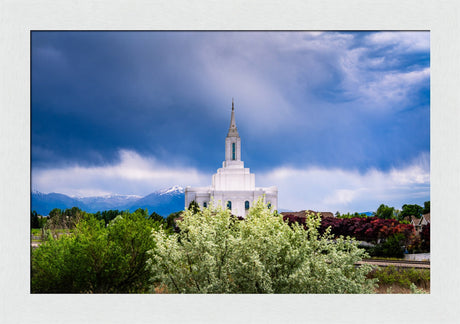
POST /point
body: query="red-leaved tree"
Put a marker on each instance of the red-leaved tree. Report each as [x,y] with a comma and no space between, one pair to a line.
[370,229]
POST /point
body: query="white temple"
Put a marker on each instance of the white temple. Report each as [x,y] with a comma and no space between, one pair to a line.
[233,185]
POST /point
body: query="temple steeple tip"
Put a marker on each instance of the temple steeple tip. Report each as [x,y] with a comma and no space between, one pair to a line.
[233,131]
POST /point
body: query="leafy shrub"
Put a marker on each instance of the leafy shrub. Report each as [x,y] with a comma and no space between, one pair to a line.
[96,258]
[171,220]
[415,290]
[369,229]
[391,247]
[215,252]
[404,277]
[36,231]
[425,237]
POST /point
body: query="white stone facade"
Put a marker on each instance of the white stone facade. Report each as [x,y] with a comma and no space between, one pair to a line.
[233,185]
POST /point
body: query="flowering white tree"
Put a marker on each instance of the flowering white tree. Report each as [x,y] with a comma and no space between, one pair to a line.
[214,252]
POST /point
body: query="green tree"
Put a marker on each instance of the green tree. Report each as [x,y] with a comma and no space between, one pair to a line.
[34,222]
[391,247]
[130,234]
[96,258]
[64,219]
[55,213]
[411,210]
[426,207]
[107,215]
[385,212]
[194,207]
[143,212]
[157,218]
[71,263]
[42,221]
[214,252]
[171,219]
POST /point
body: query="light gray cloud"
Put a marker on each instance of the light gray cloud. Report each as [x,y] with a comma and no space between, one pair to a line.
[391,91]
[406,41]
[324,189]
[309,188]
[133,175]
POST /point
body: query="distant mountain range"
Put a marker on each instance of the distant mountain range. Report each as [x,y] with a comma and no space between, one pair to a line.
[163,202]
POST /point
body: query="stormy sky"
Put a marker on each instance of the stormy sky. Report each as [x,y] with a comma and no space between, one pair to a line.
[337,120]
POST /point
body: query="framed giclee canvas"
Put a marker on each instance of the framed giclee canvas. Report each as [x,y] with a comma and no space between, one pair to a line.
[118,112]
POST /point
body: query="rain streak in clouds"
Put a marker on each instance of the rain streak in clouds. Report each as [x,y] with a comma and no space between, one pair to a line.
[337,120]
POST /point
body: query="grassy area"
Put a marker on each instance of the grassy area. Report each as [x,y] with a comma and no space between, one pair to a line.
[397,289]
[402,280]
[38,231]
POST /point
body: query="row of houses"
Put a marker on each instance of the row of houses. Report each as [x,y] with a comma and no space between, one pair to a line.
[418,222]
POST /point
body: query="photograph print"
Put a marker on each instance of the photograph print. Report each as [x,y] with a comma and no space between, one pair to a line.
[227,162]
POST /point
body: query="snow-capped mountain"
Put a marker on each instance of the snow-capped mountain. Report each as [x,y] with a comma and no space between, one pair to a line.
[163,202]
[172,191]
[109,201]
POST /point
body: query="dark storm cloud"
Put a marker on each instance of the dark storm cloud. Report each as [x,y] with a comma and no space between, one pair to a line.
[105,91]
[347,100]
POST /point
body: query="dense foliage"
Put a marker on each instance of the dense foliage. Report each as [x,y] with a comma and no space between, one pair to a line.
[210,251]
[107,215]
[388,236]
[425,237]
[426,207]
[214,252]
[412,210]
[194,207]
[403,277]
[64,219]
[37,221]
[369,229]
[171,219]
[96,258]
[157,218]
[350,215]
[392,247]
[386,212]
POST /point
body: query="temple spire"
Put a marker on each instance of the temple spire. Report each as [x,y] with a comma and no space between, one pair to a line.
[233,131]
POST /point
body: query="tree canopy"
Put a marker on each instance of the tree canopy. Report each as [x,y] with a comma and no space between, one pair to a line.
[96,258]
[426,207]
[214,252]
[411,210]
[385,212]
[34,222]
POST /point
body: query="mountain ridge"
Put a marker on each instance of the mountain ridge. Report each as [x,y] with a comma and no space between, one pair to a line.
[163,202]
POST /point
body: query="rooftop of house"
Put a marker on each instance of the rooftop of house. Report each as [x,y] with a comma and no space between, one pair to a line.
[303,213]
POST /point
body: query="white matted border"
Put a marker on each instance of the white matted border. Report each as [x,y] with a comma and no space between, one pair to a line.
[17,18]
